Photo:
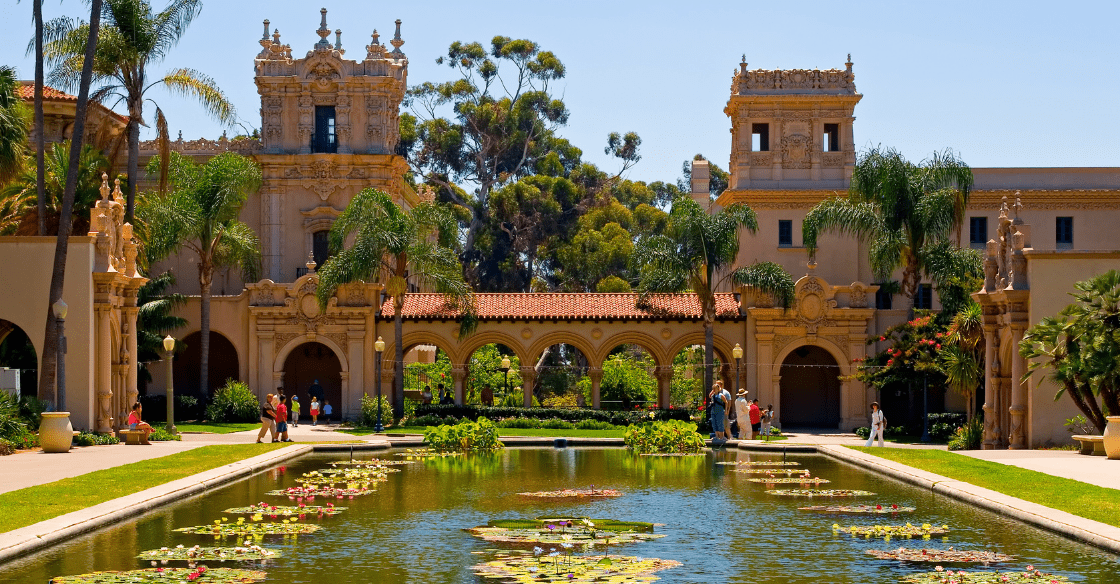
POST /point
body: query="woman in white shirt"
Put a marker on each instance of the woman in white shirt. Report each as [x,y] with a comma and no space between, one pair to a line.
[878,424]
[743,414]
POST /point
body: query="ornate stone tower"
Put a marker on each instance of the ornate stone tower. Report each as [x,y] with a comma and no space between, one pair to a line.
[329,128]
[792,129]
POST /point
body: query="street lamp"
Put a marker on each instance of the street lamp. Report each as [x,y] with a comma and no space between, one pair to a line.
[60,309]
[168,353]
[505,374]
[378,348]
[737,353]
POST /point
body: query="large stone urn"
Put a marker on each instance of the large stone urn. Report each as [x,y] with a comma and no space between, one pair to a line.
[1112,438]
[55,432]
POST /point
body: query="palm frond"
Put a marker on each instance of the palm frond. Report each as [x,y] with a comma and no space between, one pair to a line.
[192,83]
[768,278]
[846,216]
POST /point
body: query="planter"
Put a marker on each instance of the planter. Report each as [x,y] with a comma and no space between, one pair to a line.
[55,432]
[1112,438]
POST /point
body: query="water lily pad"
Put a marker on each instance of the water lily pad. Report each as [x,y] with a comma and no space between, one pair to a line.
[941,575]
[274,511]
[164,575]
[946,556]
[373,462]
[309,493]
[873,509]
[819,493]
[242,529]
[564,533]
[421,453]
[791,480]
[574,494]
[210,554]
[771,471]
[584,569]
[673,454]
[759,463]
[886,532]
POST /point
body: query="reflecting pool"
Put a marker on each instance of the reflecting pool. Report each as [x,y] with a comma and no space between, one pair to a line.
[718,524]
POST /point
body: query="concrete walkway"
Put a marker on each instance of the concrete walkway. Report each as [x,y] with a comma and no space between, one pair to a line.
[1095,470]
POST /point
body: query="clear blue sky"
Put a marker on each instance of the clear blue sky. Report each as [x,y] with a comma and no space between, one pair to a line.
[1004,83]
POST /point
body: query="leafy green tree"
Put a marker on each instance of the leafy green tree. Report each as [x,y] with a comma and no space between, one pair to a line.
[391,246]
[600,249]
[1080,348]
[20,202]
[13,126]
[904,212]
[910,360]
[132,41]
[200,213]
[484,369]
[529,213]
[156,319]
[962,355]
[697,253]
[626,380]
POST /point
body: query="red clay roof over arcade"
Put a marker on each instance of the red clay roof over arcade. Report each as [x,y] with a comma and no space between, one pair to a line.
[566,306]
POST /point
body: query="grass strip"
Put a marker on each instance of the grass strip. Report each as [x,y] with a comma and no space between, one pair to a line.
[218,427]
[34,504]
[1081,499]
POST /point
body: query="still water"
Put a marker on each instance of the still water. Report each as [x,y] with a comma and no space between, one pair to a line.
[720,526]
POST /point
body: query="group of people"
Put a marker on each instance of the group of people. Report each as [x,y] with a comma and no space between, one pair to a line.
[445,397]
[746,414]
[275,413]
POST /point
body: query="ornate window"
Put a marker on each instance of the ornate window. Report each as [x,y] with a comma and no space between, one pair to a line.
[977,232]
[785,233]
[760,137]
[831,139]
[325,139]
[1063,232]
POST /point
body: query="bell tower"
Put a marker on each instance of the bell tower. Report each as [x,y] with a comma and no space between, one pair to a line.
[792,129]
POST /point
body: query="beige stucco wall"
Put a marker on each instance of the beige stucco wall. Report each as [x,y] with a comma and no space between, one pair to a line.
[1052,276]
[25,271]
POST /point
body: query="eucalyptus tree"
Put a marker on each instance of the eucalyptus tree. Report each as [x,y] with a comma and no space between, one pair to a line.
[697,253]
[132,41]
[200,213]
[391,245]
[904,212]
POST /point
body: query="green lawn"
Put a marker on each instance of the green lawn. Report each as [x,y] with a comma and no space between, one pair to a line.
[218,427]
[1081,499]
[34,504]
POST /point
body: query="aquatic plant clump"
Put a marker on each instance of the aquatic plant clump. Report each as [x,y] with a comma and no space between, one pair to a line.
[421,453]
[886,532]
[668,437]
[372,463]
[356,471]
[872,509]
[210,554]
[770,471]
[790,480]
[759,463]
[946,556]
[274,511]
[819,493]
[565,533]
[466,436]
[199,575]
[942,575]
[555,567]
[591,493]
[309,493]
[243,529]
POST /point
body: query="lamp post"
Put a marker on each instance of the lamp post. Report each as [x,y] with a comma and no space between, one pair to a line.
[505,375]
[378,348]
[60,309]
[168,353]
[737,353]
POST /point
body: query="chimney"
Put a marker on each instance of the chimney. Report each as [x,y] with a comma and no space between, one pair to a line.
[700,177]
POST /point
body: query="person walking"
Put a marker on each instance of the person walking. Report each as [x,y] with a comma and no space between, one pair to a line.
[268,419]
[878,424]
[756,418]
[327,411]
[282,420]
[316,391]
[314,411]
[426,395]
[742,413]
[767,419]
[295,411]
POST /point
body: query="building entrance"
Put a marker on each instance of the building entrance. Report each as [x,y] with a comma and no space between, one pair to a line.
[810,389]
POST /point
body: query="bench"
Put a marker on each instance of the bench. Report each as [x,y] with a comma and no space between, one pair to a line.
[134,436]
[1092,445]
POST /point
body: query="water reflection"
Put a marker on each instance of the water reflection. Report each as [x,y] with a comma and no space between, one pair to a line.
[721,526]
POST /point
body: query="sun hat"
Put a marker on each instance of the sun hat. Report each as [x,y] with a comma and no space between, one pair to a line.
[742,392]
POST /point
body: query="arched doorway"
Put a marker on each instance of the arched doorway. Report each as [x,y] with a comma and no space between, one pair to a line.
[810,389]
[223,365]
[306,364]
[17,352]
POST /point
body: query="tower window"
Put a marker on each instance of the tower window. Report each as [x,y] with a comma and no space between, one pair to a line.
[785,233]
[924,297]
[883,299]
[831,137]
[1063,235]
[760,137]
[977,232]
[320,247]
[325,139]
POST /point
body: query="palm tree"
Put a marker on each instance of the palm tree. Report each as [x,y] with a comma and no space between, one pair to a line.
[697,253]
[134,39]
[201,213]
[156,318]
[20,202]
[13,126]
[40,136]
[904,212]
[962,358]
[392,245]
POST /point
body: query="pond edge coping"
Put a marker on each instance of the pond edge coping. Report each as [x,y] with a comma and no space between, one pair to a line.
[1063,523]
[20,542]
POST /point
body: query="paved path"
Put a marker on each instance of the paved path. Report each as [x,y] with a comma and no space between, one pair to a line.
[1096,470]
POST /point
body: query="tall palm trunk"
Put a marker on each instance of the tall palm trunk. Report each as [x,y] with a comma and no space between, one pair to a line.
[205,280]
[709,311]
[398,356]
[135,113]
[49,357]
[40,138]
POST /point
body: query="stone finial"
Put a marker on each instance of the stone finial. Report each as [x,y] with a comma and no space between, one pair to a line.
[397,42]
[338,39]
[276,37]
[105,187]
[1018,206]
[375,50]
[180,135]
[265,37]
[812,265]
[311,263]
[1003,209]
[323,32]
[743,64]
[117,195]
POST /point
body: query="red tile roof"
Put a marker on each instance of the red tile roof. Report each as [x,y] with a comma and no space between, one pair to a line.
[566,306]
[27,92]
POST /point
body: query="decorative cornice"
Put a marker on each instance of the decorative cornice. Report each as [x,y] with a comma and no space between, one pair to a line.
[980,200]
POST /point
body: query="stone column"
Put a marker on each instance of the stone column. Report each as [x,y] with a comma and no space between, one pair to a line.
[1018,392]
[347,398]
[104,368]
[129,316]
[458,380]
[265,367]
[991,424]
[664,386]
[596,376]
[356,355]
[776,393]
[528,379]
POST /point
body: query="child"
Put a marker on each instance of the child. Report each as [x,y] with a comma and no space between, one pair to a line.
[767,418]
[327,410]
[282,420]
[295,411]
[314,411]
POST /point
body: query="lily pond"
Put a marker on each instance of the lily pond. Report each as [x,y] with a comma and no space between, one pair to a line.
[463,519]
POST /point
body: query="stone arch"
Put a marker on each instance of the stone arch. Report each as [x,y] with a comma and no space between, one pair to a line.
[562,338]
[314,366]
[719,344]
[643,340]
[282,355]
[225,363]
[19,357]
[821,389]
[476,341]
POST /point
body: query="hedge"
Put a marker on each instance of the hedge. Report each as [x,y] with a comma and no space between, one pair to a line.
[574,415]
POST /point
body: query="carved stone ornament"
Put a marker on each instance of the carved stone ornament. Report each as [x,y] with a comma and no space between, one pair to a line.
[795,151]
[858,296]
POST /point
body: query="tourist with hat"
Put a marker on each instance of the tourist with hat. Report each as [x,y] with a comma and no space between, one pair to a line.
[742,413]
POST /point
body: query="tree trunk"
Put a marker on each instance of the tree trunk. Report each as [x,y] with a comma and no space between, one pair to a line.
[205,282]
[133,163]
[398,357]
[49,357]
[709,355]
[40,138]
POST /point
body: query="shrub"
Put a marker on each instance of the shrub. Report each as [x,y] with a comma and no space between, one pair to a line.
[31,410]
[515,398]
[863,432]
[464,437]
[12,426]
[522,423]
[233,402]
[86,438]
[368,414]
[969,436]
[6,447]
[594,425]
[162,435]
[188,407]
[557,424]
[672,436]
[574,415]
[430,420]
